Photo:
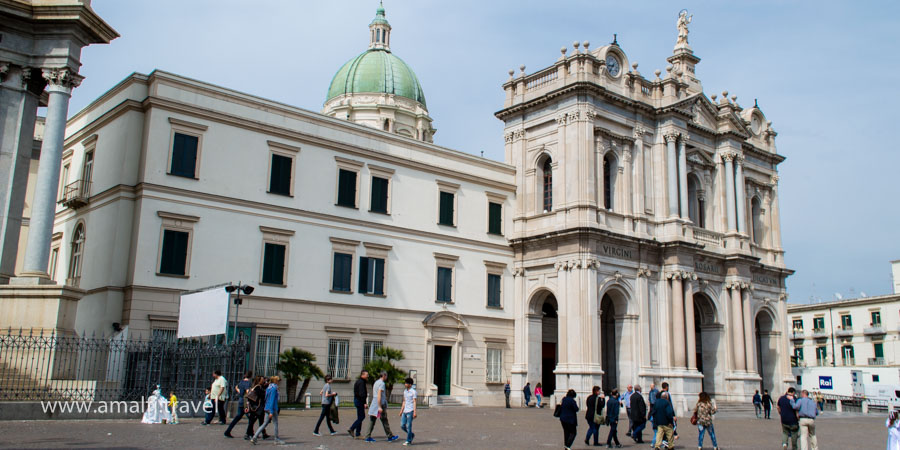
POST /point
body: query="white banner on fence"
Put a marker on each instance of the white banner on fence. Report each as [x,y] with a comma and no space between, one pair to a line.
[203,313]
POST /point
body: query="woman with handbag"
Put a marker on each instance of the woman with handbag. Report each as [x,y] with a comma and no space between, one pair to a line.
[568,417]
[703,418]
[327,400]
[593,407]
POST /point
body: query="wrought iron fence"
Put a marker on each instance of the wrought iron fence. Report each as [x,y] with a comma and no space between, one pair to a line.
[40,366]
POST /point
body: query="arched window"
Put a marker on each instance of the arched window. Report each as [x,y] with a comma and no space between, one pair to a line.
[696,202]
[609,180]
[547,176]
[387,125]
[75,259]
[756,217]
[378,34]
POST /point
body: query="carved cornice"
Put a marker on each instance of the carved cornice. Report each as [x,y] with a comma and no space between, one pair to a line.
[614,137]
[513,136]
[738,285]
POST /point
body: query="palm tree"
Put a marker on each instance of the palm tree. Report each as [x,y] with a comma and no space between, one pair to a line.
[296,364]
[384,362]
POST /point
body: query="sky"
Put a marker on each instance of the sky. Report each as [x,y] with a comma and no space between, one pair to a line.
[824,72]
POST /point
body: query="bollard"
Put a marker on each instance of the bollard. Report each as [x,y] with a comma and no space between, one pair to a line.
[837,405]
[307,397]
[865,407]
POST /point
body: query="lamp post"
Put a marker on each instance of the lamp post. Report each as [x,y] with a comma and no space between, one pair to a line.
[247,290]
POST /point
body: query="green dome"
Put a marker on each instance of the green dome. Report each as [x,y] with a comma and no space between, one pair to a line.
[376,71]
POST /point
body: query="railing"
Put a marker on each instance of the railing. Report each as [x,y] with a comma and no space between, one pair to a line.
[876,361]
[76,194]
[36,366]
[819,333]
[821,362]
[540,80]
[849,361]
[709,237]
[874,330]
[798,334]
[843,332]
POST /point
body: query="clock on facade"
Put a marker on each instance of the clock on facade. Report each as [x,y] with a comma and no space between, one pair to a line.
[612,65]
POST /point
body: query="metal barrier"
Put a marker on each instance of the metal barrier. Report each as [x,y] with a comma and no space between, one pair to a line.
[40,366]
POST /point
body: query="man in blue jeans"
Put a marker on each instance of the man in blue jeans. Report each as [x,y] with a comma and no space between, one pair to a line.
[360,395]
[592,407]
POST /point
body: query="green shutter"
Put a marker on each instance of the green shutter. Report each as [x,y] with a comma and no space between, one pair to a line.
[280,177]
[879,350]
[341,275]
[446,216]
[379,276]
[494,290]
[444,287]
[273,264]
[347,188]
[174,252]
[364,275]
[379,195]
[184,155]
[495,211]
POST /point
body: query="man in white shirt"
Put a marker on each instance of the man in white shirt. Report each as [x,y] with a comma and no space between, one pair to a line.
[378,410]
[217,394]
[408,412]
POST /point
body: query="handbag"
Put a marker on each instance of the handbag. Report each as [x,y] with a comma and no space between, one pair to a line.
[333,411]
[694,418]
[557,411]
[598,417]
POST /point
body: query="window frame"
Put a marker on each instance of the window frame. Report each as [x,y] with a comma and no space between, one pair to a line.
[849,321]
[55,251]
[821,321]
[275,236]
[64,177]
[487,365]
[75,266]
[383,173]
[445,261]
[287,151]
[87,170]
[329,368]
[346,247]
[872,316]
[176,222]
[268,354]
[452,189]
[190,129]
[351,166]
[377,251]
[496,269]
[376,344]
[500,200]
[794,323]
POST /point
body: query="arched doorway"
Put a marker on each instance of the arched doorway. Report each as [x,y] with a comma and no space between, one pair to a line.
[549,345]
[766,349]
[608,343]
[707,335]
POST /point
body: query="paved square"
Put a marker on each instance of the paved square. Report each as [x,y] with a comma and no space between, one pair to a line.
[447,427]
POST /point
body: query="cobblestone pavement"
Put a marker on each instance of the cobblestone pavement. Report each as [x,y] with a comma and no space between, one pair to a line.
[494,428]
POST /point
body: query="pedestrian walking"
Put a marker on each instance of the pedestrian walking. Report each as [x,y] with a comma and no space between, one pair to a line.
[820,400]
[638,415]
[626,402]
[506,391]
[378,410]
[704,410]
[208,408]
[327,400]
[767,404]
[757,403]
[526,392]
[593,408]
[271,409]
[360,401]
[893,425]
[806,413]
[664,420]
[241,390]
[652,396]
[255,407]
[790,426]
[173,405]
[409,410]
[568,417]
[538,394]
[219,394]
[612,419]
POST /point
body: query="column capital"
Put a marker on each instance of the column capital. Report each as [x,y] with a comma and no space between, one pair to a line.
[728,156]
[671,136]
[62,79]
[643,272]
[674,275]
[639,132]
[739,158]
[683,138]
[773,181]
[4,69]
[518,271]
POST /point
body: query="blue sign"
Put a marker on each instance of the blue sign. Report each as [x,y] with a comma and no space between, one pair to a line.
[825,383]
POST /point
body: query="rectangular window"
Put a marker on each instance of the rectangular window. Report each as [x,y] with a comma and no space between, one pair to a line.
[878,347]
[87,174]
[173,260]
[343,265]
[494,365]
[63,180]
[875,378]
[876,318]
[184,155]
[847,355]
[446,214]
[346,188]
[338,358]
[821,355]
[379,195]
[369,348]
[267,350]
[798,324]
[280,175]
[495,218]
[493,290]
[846,322]
[273,263]
[163,335]
[54,258]
[798,353]
[819,323]
[445,284]
[371,275]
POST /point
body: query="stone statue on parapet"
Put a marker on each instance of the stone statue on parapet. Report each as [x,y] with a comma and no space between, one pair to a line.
[683,20]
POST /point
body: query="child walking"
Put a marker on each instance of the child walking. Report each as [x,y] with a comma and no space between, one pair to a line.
[408,412]
[539,393]
[208,408]
[173,405]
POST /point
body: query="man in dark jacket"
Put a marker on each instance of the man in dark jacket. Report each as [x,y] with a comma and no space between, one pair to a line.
[590,407]
[638,414]
[360,395]
[790,424]
[568,417]
[612,418]
[767,404]
[664,419]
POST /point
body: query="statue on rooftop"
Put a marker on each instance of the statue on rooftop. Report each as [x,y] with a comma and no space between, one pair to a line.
[682,24]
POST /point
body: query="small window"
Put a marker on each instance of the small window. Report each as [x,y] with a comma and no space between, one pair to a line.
[447,207]
[493,293]
[76,259]
[63,180]
[87,173]
[273,263]
[338,358]
[342,269]
[379,195]
[876,318]
[494,365]
[818,323]
[798,324]
[173,260]
[346,188]
[267,350]
[280,177]
[369,348]
[875,378]
[371,275]
[495,218]
[798,353]
[184,155]
[547,180]
[445,284]
[821,355]
[846,322]
[878,349]
[54,259]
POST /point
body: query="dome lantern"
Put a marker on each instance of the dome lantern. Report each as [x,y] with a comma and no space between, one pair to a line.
[380,30]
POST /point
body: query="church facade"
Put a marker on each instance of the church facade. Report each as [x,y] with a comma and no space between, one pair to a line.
[631,236]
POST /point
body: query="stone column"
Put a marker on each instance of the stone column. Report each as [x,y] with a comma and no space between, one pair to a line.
[682,176]
[522,329]
[627,184]
[638,182]
[740,197]
[689,321]
[729,190]
[748,329]
[737,327]
[646,325]
[678,341]
[775,224]
[43,209]
[672,173]
[18,110]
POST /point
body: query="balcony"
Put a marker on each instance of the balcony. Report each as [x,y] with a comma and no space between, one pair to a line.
[711,238]
[843,332]
[76,194]
[874,330]
[849,361]
[798,335]
[821,362]
[876,361]
[819,333]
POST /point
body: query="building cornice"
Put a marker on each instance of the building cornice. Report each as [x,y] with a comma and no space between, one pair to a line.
[796,308]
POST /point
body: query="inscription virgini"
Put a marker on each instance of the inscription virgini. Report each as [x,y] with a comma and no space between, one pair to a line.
[618,252]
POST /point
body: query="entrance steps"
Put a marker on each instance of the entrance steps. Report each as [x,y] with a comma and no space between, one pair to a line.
[736,407]
[448,400]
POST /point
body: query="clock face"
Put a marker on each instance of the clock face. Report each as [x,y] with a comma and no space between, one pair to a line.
[612,65]
[754,125]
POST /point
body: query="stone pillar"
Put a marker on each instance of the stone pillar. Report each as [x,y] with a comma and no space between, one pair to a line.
[737,327]
[682,176]
[689,321]
[678,342]
[519,371]
[729,190]
[18,109]
[775,224]
[672,173]
[740,197]
[748,330]
[638,182]
[645,324]
[627,185]
[43,210]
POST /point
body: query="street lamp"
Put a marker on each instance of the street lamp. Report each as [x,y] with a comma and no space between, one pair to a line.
[247,290]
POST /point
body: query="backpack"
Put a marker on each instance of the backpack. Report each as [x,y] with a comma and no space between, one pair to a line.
[251,396]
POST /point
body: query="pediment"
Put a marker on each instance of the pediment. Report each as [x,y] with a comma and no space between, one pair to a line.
[445,319]
[703,113]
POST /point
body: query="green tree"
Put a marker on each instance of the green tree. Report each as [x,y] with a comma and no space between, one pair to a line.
[384,362]
[297,364]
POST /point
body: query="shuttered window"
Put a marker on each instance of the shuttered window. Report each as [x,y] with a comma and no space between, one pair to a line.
[446,214]
[338,358]
[379,195]
[444,284]
[173,259]
[346,188]
[495,215]
[280,176]
[493,294]
[273,263]
[342,267]
[184,155]
[494,365]
[371,275]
